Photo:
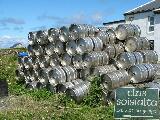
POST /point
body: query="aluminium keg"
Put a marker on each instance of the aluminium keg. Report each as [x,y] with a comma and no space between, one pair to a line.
[64,34]
[153,85]
[42,37]
[57,75]
[84,45]
[112,35]
[78,31]
[141,72]
[77,61]
[54,60]
[78,92]
[123,31]
[59,47]
[34,85]
[32,38]
[93,59]
[128,59]
[66,59]
[136,43]
[98,44]
[150,56]
[38,50]
[115,79]
[157,74]
[27,62]
[84,73]
[104,36]
[110,50]
[30,50]
[62,87]
[33,75]
[71,73]
[43,76]
[100,70]
[49,49]
[53,34]
[71,47]
[92,31]
[44,61]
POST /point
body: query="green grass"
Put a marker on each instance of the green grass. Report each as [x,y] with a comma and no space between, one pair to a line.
[41,104]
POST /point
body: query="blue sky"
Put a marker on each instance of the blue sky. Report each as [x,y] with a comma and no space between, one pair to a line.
[18,17]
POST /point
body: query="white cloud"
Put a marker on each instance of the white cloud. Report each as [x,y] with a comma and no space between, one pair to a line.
[7,41]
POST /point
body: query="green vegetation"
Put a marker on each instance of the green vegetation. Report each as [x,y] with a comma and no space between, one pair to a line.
[42,104]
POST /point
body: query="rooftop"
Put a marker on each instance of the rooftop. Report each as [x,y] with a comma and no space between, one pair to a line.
[150,6]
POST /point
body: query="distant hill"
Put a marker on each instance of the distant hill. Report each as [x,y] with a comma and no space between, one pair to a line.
[17,45]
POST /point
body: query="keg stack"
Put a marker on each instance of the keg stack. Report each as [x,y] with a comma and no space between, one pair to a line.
[63,59]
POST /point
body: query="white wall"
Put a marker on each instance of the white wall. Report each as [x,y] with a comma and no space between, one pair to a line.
[157,34]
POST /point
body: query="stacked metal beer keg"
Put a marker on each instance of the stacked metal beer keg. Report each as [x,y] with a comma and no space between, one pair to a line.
[62,59]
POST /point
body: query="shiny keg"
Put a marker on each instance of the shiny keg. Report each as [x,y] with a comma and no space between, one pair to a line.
[32,38]
[78,92]
[153,85]
[71,73]
[66,59]
[78,31]
[20,75]
[139,57]
[128,59]
[115,79]
[104,36]
[34,85]
[136,43]
[119,48]
[151,71]
[53,34]
[43,76]
[123,31]
[112,35]
[98,44]
[110,50]
[59,47]
[44,61]
[42,37]
[27,62]
[100,70]
[35,63]
[30,50]
[33,75]
[64,34]
[71,47]
[92,31]
[142,72]
[84,73]
[93,59]
[157,74]
[64,86]
[57,75]
[150,56]
[77,61]
[38,50]
[84,45]
[49,49]
[54,60]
